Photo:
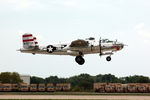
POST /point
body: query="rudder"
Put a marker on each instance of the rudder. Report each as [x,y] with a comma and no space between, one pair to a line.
[29,42]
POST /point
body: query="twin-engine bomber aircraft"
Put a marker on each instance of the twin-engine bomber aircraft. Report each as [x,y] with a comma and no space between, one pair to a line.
[76,48]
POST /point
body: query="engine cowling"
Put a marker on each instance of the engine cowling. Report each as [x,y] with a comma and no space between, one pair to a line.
[73,52]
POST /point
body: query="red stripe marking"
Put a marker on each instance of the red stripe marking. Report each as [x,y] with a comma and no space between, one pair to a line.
[34,38]
[28,35]
[36,42]
[28,40]
[113,46]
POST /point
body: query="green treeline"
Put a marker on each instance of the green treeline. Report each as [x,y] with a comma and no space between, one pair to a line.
[8,77]
[84,82]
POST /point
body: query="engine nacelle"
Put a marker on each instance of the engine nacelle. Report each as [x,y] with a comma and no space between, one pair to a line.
[73,52]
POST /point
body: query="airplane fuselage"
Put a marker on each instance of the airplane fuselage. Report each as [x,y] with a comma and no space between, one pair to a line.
[77,48]
[73,51]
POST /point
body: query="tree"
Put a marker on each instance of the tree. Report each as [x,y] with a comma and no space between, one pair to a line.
[108,78]
[15,78]
[52,79]
[136,79]
[85,85]
[36,80]
[5,77]
[84,81]
[8,77]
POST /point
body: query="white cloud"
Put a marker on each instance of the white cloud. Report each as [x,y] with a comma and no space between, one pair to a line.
[19,4]
[69,3]
[143,31]
[24,4]
[139,26]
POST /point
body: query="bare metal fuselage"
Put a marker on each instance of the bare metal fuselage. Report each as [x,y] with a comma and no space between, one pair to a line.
[77,48]
[73,51]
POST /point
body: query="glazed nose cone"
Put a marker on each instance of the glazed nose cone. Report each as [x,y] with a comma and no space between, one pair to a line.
[120,44]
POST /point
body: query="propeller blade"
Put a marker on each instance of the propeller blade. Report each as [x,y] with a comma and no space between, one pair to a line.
[100,49]
[116,41]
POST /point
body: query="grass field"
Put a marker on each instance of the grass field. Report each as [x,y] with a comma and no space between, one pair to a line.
[72,93]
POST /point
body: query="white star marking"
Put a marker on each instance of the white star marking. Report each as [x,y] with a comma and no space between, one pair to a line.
[50,49]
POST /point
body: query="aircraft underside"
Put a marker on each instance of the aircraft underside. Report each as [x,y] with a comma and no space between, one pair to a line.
[78,52]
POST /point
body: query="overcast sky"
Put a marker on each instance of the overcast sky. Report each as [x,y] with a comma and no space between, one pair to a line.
[56,21]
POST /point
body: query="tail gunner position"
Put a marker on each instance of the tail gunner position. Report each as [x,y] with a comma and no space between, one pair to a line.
[77,48]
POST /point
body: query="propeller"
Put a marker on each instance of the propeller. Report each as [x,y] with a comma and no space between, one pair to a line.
[100,47]
[125,45]
[116,41]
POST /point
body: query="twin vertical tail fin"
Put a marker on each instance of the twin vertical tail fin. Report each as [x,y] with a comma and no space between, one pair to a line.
[29,41]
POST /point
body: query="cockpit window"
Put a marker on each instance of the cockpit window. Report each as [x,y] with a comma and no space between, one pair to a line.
[106,41]
[79,43]
[110,41]
[91,38]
